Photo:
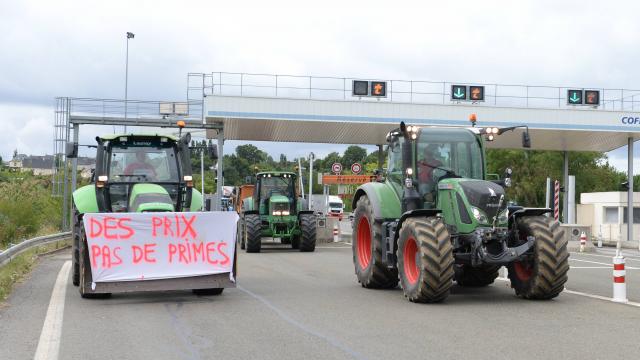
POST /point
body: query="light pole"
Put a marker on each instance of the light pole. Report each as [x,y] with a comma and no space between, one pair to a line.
[130,35]
[312,156]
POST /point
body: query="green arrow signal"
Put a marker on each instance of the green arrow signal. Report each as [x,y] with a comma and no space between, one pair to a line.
[458,93]
[574,98]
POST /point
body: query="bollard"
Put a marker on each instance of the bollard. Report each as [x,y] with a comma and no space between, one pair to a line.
[619,284]
[583,241]
[336,233]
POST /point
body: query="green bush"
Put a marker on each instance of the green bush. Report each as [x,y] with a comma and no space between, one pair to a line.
[27,208]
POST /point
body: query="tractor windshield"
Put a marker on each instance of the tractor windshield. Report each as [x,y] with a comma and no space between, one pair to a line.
[146,163]
[276,185]
[442,150]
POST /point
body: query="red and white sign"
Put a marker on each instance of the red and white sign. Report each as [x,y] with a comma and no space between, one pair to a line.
[356,168]
[147,246]
[336,168]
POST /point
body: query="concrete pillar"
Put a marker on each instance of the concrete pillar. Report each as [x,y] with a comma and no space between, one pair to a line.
[547,196]
[380,157]
[570,191]
[630,191]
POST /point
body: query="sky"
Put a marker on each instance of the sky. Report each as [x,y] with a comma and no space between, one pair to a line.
[77,48]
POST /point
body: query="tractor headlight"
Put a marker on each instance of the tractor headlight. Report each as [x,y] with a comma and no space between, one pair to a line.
[507,182]
[503,217]
[479,215]
[277,213]
[285,213]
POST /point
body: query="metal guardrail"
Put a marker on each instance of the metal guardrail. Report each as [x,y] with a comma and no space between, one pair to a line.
[405,91]
[17,249]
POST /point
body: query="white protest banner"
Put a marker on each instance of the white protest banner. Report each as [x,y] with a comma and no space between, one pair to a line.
[147,246]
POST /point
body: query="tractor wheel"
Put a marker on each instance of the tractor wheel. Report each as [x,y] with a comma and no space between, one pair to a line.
[425,260]
[295,242]
[85,278]
[367,249]
[468,276]
[208,292]
[253,227]
[542,275]
[75,249]
[308,229]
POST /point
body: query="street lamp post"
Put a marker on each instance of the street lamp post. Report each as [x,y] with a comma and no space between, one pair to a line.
[130,35]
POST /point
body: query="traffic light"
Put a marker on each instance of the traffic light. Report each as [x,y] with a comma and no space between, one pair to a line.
[378,89]
[476,93]
[360,88]
[574,97]
[592,97]
[458,92]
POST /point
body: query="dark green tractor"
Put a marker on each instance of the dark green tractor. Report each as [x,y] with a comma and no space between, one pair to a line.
[135,173]
[437,218]
[275,210]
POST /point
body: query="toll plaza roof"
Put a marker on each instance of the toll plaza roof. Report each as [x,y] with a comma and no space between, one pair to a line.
[368,122]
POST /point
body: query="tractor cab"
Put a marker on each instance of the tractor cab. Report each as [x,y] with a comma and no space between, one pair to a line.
[275,193]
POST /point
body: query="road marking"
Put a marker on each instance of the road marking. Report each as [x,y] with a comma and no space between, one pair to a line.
[334,342]
[592,296]
[628,257]
[333,247]
[49,343]
[590,267]
[600,263]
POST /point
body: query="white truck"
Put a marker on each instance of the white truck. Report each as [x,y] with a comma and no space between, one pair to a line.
[328,205]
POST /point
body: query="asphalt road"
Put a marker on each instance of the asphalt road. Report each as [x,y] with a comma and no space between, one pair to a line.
[292,305]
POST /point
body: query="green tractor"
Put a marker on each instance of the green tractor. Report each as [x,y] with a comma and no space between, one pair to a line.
[275,210]
[437,217]
[135,173]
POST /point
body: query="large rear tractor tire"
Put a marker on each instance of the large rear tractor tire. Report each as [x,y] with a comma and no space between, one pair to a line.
[367,249]
[425,260]
[542,275]
[75,249]
[86,279]
[308,230]
[475,277]
[253,238]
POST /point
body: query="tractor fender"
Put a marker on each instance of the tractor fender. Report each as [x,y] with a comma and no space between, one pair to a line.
[385,201]
[196,200]
[85,199]
[424,213]
[516,212]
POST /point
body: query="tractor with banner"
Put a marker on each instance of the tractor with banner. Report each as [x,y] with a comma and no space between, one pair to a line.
[438,217]
[147,180]
[276,210]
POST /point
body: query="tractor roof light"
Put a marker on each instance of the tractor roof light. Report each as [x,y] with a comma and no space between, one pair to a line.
[409,171]
[181,124]
[473,118]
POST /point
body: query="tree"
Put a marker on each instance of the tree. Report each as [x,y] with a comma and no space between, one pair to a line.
[353,154]
[251,153]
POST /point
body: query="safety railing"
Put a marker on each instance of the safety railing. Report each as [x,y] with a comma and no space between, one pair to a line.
[15,250]
[406,91]
[132,110]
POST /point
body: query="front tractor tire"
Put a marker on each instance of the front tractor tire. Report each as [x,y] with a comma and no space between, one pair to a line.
[367,249]
[542,275]
[84,266]
[75,249]
[308,233]
[253,236]
[425,260]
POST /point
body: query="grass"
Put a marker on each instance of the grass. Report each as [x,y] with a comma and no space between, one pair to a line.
[14,271]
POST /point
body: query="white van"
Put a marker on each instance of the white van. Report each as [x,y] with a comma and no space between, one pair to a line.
[335,207]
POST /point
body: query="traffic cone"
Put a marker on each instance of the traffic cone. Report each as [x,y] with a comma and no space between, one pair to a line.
[336,233]
[583,241]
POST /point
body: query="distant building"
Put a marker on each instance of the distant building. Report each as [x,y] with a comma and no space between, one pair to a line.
[606,213]
[43,165]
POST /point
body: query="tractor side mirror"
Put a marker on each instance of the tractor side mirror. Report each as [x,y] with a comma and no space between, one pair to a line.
[71,150]
[249,179]
[212,151]
[526,139]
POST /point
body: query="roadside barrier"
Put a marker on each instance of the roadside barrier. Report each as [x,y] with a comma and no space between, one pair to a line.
[17,249]
[336,233]
[619,283]
[583,241]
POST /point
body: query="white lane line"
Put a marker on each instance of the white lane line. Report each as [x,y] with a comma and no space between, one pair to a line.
[601,263]
[628,257]
[49,343]
[590,267]
[592,296]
